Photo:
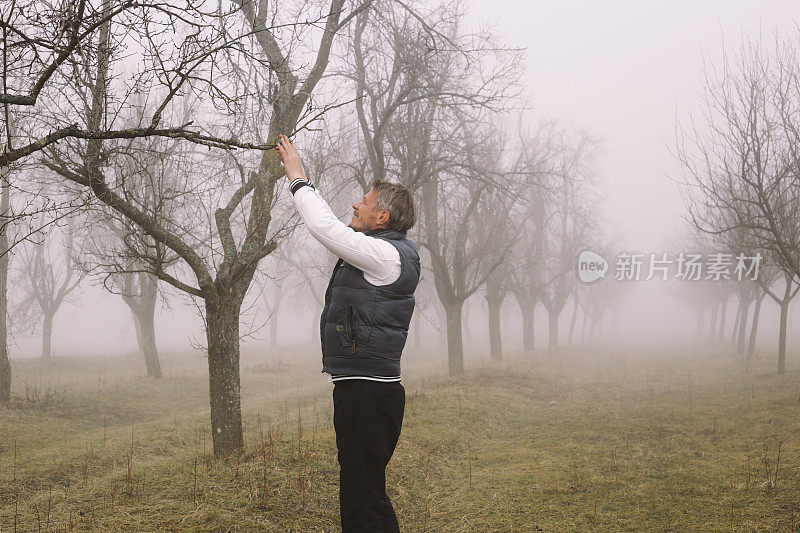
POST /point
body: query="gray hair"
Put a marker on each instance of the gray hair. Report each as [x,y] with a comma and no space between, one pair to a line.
[399,201]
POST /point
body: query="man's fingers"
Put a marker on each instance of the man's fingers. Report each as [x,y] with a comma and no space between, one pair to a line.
[286,147]
[283,142]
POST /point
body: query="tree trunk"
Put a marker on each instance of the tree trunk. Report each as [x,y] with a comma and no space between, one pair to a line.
[782,338]
[47,334]
[584,325]
[455,346]
[742,327]
[724,310]
[466,312]
[597,320]
[495,342]
[143,309]
[273,317]
[222,330]
[527,308]
[572,322]
[417,330]
[5,363]
[782,335]
[552,320]
[137,326]
[751,345]
[712,326]
[147,343]
[736,321]
[441,315]
[273,329]
[494,301]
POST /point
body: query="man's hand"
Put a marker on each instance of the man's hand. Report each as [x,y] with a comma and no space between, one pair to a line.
[290,158]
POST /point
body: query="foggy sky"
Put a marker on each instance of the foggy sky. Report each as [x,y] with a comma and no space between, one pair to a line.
[626,71]
[623,70]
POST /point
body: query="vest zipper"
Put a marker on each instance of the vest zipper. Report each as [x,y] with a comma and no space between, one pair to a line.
[352,329]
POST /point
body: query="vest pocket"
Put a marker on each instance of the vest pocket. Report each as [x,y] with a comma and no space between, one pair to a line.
[352,333]
[352,326]
[345,327]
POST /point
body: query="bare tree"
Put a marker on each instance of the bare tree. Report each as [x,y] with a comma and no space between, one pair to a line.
[790,288]
[500,211]
[20,218]
[45,43]
[456,232]
[419,79]
[222,276]
[597,299]
[272,292]
[47,279]
[536,154]
[498,287]
[42,41]
[569,222]
[5,363]
[157,170]
[742,165]
[767,276]
[397,52]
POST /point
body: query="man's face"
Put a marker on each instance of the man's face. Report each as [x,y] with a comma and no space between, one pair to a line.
[365,215]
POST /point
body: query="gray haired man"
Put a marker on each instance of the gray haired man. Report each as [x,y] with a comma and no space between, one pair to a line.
[363,328]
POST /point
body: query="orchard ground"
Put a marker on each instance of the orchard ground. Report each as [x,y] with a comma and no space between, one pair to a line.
[570,440]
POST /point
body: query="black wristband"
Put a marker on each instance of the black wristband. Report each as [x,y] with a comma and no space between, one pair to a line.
[298,183]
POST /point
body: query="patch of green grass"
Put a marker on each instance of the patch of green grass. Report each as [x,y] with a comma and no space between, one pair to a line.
[561,442]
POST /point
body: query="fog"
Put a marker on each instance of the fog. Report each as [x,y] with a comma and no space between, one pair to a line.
[543,256]
[628,73]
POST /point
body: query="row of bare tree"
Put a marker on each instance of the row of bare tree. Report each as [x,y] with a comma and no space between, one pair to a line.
[150,127]
[741,164]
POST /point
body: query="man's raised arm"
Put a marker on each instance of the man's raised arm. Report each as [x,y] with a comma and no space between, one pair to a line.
[377,258]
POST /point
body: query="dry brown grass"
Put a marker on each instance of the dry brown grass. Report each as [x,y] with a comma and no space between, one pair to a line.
[570,441]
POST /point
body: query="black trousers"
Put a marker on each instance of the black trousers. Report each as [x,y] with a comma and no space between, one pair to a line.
[367,417]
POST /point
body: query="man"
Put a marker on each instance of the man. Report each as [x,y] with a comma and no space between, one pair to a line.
[368,306]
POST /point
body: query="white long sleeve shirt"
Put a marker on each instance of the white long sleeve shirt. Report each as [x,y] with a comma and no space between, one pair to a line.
[377,259]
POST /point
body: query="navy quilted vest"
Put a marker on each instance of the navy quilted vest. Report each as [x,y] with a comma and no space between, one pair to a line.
[363,327]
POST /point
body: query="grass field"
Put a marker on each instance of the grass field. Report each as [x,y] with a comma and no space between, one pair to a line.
[568,441]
